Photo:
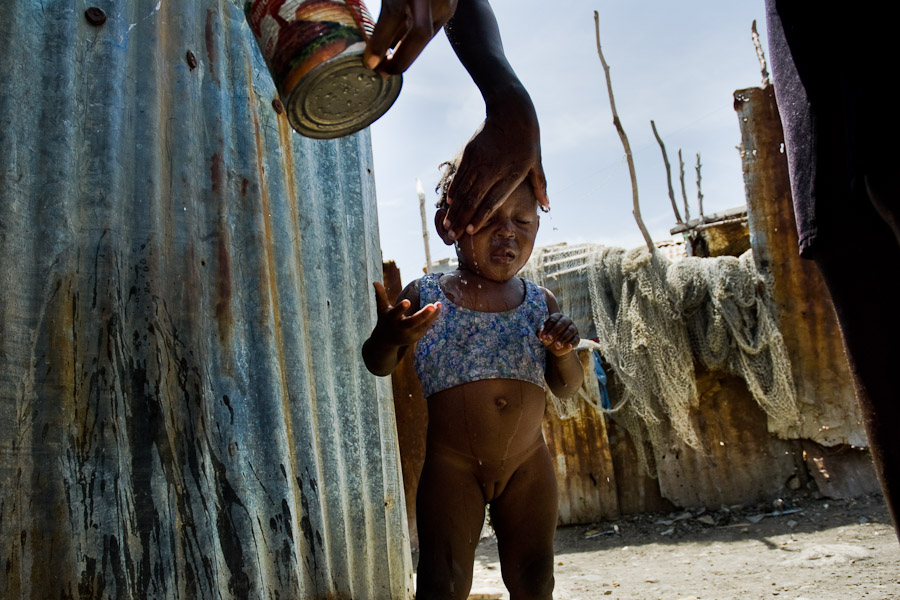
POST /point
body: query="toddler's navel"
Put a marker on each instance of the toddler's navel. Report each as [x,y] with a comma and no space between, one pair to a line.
[500,402]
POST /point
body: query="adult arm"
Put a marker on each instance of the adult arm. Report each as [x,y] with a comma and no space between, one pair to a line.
[507,149]
[407,26]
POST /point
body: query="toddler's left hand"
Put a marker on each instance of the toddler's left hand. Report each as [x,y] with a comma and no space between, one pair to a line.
[559,334]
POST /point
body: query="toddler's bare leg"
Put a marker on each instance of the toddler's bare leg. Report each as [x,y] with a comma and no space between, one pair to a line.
[524,518]
[449,517]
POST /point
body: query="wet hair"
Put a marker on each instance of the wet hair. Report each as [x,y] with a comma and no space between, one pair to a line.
[448,171]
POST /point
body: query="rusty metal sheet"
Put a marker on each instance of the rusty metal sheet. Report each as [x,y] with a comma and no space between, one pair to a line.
[585,476]
[740,462]
[825,395]
[184,281]
[840,471]
[636,491]
[412,414]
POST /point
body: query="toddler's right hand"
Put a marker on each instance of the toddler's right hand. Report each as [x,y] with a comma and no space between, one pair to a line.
[394,327]
[559,334]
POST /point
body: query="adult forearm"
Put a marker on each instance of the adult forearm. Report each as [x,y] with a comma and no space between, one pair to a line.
[475,37]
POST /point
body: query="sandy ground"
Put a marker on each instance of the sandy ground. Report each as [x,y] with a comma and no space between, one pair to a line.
[802,549]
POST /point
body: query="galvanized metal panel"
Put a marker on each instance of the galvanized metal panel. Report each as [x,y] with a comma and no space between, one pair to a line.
[825,394]
[185,290]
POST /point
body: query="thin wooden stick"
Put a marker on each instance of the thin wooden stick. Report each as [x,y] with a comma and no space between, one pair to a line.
[760,55]
[612,103]
[662,147]
[687,209]
[699,189]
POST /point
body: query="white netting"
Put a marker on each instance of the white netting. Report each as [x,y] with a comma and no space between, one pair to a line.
[653,317]
[589,392]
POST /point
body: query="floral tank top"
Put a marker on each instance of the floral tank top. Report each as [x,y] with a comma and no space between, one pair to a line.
[465,345]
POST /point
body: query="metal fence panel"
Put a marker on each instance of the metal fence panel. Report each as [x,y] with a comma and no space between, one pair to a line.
[183,296]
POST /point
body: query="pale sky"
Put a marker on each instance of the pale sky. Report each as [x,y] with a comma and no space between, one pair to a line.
[677,63]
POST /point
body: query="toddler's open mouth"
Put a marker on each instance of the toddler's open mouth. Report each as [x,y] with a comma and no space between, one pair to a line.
[503,255]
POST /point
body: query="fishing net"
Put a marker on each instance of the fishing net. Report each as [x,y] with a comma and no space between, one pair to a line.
[653,317]
[588,393]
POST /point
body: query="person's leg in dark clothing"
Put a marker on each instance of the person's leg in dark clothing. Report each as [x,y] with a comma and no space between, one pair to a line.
[862,276]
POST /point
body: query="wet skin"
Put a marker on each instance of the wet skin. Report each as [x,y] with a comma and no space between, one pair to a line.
[484,443]
[484,437]
[491,419]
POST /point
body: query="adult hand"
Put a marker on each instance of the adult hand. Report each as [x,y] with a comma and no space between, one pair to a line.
[495,162]
[406,26]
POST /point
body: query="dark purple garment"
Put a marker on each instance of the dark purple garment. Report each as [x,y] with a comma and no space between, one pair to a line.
[834,75]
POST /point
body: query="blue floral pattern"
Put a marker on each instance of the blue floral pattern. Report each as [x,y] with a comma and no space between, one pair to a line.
[465,345]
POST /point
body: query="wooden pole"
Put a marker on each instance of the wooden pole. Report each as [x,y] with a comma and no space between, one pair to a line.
[420,191]
[665,156]
[764,70]
[687,208]
[628,157]
[699,189]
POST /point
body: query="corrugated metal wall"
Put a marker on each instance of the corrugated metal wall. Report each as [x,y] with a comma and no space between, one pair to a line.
[183,295]
[829,413]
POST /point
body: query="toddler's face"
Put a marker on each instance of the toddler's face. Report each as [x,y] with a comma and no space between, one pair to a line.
[502,247]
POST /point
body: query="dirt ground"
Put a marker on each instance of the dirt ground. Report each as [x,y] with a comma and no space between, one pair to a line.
[802,549]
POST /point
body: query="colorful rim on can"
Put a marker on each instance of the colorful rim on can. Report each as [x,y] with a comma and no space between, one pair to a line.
[298,37]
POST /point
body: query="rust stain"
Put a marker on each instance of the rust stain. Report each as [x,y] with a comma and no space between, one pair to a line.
[212,51]
[191,275]
[224,315]
[63,334]
[216,173]
[285,133]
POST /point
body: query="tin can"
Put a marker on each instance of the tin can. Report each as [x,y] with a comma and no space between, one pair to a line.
[313,49]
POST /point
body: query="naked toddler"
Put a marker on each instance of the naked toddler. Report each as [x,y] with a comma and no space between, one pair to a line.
[485,342]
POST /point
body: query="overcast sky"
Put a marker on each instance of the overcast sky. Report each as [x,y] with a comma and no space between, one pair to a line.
[677,63]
